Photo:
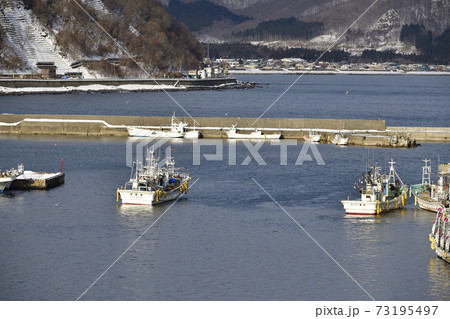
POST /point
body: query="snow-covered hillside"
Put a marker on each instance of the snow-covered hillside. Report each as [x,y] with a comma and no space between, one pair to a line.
[98,5]
[29,40]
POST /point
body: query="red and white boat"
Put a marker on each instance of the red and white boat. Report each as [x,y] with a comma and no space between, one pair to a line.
[151,184]
[379,193]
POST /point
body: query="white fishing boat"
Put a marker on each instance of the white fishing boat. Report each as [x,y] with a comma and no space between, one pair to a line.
[177,130]
[440,234]
[151,184]
[429,195]
[192,134]
[234,133]
[339,139]
[379,193]
[313,137]
[8,176]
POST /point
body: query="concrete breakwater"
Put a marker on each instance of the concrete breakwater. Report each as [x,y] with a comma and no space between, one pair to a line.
[422,134]
[57,83]
[360,132]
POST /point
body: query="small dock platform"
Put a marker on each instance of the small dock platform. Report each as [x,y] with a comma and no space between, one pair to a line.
[37,180]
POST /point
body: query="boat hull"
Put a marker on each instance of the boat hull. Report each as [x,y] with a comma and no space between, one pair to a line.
[314,139]
[141,132]
[192,134]
[429,204]
[5,183]
[359,207]
[343,141]
[136,197]
[254,136]
[441,253]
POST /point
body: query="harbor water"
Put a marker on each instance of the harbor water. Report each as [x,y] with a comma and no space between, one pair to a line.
[233,237]
[401,100]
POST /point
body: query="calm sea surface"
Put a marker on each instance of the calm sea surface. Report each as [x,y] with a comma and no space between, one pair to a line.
[227,240]
[400,100]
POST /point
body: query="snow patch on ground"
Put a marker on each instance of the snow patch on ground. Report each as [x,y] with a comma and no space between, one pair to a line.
[98,5]
[30,40]
[324,39]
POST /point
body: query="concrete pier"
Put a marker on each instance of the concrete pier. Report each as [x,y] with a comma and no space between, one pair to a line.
[360,132]
[34,180]
[423,134]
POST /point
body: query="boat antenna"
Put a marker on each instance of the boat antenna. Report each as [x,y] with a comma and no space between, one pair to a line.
[373,157]
[132,168]
[368,157]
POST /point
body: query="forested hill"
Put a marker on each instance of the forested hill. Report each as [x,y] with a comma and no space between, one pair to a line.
[201,14]
[317,24]
[158,41]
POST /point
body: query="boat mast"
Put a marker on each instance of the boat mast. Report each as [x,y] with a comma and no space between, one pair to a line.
[391,178]
[393,173]
[426,172]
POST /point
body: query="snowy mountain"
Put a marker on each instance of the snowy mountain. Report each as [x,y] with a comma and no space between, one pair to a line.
[379,27]
[110,37]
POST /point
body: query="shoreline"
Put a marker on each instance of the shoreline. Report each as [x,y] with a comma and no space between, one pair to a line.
[330,72]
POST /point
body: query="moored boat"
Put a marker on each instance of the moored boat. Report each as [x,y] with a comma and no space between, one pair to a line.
[313,137]
[192,134]
[151,184]
[177,130]
[379,193]
[233,132]
[339,139]
[428,195]
[8,176]
[440,234]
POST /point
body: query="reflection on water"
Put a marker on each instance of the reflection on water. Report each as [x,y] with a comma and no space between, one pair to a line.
[135,210]
[439,276]
[362,219]
[419,212]
[151,140]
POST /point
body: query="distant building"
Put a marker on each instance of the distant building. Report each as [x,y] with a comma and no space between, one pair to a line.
[72,75]
[48,69]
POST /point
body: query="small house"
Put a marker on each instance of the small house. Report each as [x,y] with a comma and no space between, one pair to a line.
[48,69]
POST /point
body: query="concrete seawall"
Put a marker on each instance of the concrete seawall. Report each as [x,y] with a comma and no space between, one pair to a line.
[360,132]
[423,134]
[210,126]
